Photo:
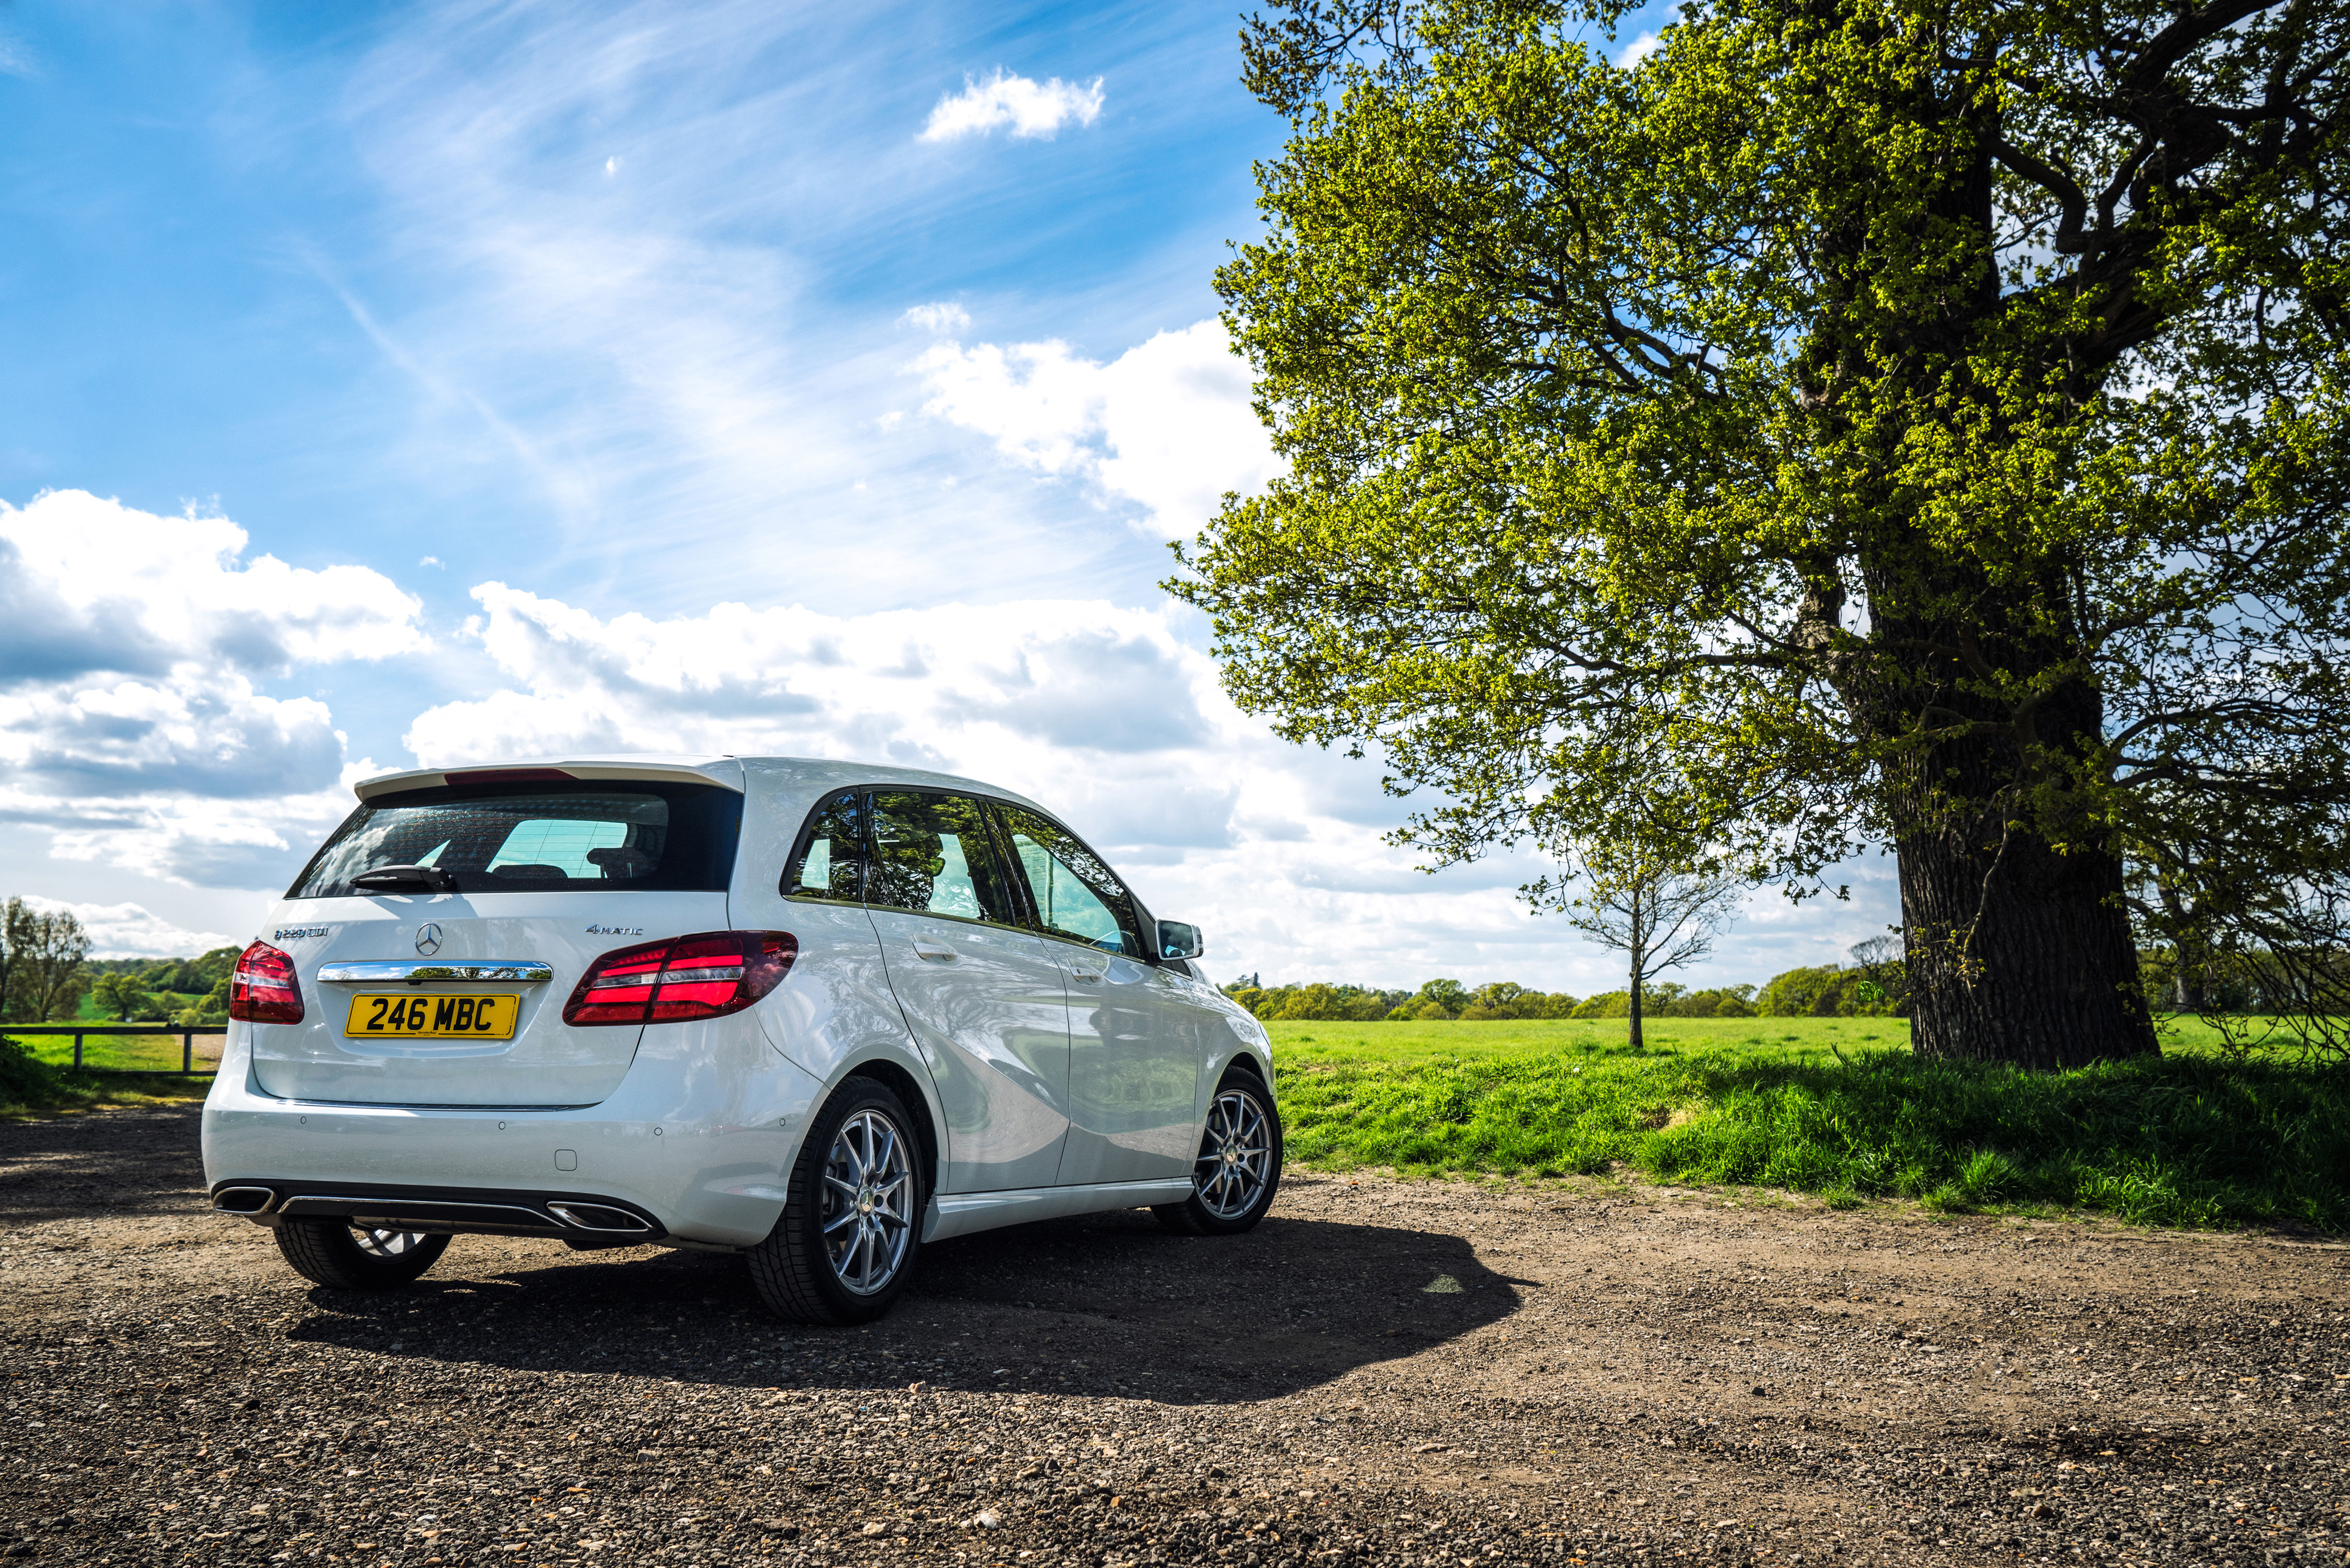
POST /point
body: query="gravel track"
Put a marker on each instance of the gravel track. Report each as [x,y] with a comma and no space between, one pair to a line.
[1382,1373]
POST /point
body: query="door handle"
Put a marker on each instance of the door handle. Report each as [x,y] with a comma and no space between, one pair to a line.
[926,948]
[1088,976]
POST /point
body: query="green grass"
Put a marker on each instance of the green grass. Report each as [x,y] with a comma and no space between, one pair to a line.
[2187,1139]
[29,1087]
[119,1052]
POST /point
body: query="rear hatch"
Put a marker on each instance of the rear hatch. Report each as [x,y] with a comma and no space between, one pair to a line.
[448,989]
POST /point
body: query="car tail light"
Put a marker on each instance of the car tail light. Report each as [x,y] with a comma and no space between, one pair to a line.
[261,988]
[707,975]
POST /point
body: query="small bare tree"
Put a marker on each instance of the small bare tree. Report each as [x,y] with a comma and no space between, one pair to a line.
[1658,915]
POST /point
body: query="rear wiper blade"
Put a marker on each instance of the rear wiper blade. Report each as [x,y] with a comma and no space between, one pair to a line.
[406,879]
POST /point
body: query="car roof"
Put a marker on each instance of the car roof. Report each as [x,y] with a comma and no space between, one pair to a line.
[811,775]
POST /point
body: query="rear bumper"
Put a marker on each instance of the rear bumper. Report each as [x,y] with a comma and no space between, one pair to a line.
[696,1144]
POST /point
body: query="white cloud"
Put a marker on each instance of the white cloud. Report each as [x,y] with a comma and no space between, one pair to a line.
[135,649]
[944,318]
[1639,49]
[1031,109]
[129,931]
[1167,424]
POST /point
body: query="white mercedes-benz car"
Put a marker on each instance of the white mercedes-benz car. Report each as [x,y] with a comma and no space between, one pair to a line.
[817,1013]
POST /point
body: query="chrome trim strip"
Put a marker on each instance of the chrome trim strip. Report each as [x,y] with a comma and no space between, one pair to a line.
[574,1212]
[521,972]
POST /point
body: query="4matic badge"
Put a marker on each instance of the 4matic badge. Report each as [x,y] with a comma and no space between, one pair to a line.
[616,930]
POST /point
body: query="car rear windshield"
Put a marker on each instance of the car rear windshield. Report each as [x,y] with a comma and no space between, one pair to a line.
[540,838]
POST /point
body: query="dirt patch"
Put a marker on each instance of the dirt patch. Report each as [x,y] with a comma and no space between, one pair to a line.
[1384,1372]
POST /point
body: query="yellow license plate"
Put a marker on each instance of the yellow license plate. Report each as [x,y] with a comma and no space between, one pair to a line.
[428,1016]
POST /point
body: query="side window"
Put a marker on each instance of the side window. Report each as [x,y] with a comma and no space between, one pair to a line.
[933,853]
[829,861]
[1075,894]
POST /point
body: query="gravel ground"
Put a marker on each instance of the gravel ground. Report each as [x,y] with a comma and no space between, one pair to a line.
[1386,1373]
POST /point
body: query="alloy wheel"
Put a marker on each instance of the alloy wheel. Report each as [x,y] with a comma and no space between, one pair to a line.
[868,1194]
[1235,1155]
[382,1243]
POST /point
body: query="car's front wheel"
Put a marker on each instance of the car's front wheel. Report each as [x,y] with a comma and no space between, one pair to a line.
[851,1227]
[1238,1167]
[348,1258]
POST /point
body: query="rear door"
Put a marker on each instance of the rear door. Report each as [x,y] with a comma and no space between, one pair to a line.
[455,997]
[1136,1037]
[984,1001]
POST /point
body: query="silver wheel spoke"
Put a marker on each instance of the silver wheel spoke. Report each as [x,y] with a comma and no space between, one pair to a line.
[869,1176]
[1235,1155]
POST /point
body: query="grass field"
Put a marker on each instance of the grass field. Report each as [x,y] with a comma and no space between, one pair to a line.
[125,1052]
[1834,1106]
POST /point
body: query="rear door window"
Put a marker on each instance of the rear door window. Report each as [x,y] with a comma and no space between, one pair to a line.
[540,837]
[933,853]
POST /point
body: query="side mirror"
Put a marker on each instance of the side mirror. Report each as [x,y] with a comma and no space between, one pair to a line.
[1178,940]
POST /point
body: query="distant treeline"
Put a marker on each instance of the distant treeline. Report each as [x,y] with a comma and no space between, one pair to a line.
[46,973]
[1859,989]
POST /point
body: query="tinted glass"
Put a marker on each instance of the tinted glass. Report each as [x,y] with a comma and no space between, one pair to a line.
[1075,894]
[933,853]
[539,838]
[829,861]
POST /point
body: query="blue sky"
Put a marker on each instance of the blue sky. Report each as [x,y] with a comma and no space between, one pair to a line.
[426,383]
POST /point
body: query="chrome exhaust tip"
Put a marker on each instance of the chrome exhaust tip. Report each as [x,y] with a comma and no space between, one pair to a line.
[601,1217]
[247,1201]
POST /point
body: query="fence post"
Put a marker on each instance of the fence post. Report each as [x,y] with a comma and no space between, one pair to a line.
[187,1052]
[77,1050]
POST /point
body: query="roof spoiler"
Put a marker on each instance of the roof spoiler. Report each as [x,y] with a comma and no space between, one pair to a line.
[716,771]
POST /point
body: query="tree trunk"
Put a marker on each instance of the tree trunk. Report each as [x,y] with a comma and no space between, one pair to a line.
[2028,960]
[1634,1038]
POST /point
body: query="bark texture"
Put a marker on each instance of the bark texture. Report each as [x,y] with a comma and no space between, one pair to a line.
[2020,955]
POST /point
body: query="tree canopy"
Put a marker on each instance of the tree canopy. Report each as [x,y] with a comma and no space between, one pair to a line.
[1858,422]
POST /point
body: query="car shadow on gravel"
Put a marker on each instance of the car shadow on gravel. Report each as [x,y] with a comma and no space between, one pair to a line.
[125,1163]
[1103,1307]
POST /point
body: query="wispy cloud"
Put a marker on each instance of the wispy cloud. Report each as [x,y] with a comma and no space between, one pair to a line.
[1029,109]
[16,59]
[944,319]
[682,344]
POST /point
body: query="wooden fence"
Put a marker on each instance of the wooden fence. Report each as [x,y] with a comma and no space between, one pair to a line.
[78,1031]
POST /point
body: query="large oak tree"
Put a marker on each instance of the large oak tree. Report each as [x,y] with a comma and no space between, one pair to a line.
[1902,423]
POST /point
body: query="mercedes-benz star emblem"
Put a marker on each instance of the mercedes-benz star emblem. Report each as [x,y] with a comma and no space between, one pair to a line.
[428,939]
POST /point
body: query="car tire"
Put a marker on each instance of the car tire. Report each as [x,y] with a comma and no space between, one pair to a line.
[851,1232]
[1238,1167]
[332,1253]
